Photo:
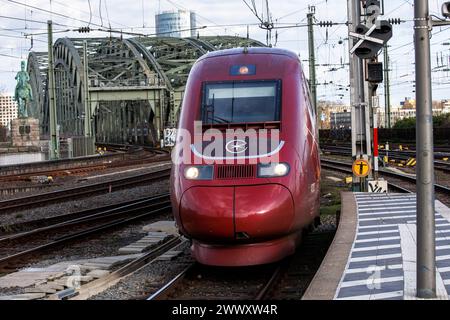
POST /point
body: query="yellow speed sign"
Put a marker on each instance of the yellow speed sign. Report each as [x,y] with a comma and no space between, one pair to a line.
[361,168]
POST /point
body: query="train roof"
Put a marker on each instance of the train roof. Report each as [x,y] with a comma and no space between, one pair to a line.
[250,50]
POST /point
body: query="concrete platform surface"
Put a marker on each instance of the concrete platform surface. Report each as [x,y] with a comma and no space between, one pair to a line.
[373,256]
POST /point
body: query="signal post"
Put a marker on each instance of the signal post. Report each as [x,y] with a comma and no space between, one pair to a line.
[369,35]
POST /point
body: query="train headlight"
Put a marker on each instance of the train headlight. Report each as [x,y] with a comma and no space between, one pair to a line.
[199,173]
[273,170]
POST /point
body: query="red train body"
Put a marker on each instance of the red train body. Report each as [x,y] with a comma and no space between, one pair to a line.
[238,208]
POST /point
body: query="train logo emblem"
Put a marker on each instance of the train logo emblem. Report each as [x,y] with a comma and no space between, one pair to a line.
[361,168]
[236,146]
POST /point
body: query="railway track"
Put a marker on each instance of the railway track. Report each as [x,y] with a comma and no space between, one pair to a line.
[295,274]
[397,155]
[40,223]
[443,148]
[16,204]
[205,282]
[443,192]
[97,286]
[21,189]
[136,157]
[287,279]
[16,249]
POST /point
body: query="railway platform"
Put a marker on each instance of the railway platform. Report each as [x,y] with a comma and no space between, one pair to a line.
[373,255]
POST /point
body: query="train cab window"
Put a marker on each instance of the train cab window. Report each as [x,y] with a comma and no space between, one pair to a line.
[241,102]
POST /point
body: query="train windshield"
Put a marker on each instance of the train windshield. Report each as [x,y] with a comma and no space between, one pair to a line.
[241,102]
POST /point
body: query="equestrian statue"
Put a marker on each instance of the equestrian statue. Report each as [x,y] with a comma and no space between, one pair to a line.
[23,94]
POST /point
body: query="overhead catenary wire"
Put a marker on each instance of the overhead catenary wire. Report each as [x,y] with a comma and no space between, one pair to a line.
[65,5]
[56,13]
[34,21]
[100,11]
[90,14]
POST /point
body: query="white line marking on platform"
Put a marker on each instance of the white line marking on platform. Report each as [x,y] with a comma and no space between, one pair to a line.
[376,214]
[408,241]
[380,268]
[383,218]
[387,246]
[442,209]
[376,257]
[384,208]
[370,281]
[390,201]
[378,204]
[376,232]
[378,226]
[445,269]
[376,296]
[380,239]
[440,258]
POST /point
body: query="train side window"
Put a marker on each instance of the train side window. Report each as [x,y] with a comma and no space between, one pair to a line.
[308,95]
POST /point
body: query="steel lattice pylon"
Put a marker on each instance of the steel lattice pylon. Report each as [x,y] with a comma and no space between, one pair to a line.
[135,85]
[37,68]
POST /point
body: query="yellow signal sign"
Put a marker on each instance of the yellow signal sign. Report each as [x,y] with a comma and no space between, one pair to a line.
[411,162]
[361,168]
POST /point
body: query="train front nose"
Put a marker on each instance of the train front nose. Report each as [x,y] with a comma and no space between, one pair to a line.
[226,214]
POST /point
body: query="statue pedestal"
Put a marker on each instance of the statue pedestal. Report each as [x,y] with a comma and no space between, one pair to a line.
[25,132]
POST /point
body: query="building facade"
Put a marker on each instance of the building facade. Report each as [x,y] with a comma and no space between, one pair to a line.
[331,114]
[8,110]
[398,114]
[341,120]
[179,24]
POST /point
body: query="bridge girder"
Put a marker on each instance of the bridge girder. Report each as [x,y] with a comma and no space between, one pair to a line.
[37,68]
[135,85]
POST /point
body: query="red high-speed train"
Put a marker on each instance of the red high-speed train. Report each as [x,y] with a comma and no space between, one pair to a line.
[244,198]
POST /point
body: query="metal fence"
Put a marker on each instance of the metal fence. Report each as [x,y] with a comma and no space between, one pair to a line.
[81,146]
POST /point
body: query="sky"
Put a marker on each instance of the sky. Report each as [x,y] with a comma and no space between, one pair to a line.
[230,18]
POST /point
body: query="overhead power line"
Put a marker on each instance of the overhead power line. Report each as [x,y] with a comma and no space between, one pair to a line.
[54,13]
[34,21]
[10,56]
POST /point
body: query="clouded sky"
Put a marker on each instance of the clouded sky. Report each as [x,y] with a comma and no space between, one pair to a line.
[230,17]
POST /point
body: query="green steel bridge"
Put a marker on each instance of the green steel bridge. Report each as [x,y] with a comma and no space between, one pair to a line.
[132,88]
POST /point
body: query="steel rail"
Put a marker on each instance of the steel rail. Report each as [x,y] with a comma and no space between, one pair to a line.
[343,167]
[165,291]
[95,188]
[6,261]
[99,213]
[39,223]
[104,283]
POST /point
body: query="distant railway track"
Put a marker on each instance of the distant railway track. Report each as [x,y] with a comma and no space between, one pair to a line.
[44,222]
[411,147]
[443,192]
[136,157]
[7,206]
[21,189]
[394,154]
[131,148]
[15,249]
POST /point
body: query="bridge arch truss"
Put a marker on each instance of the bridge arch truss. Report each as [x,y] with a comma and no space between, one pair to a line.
[129,90]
